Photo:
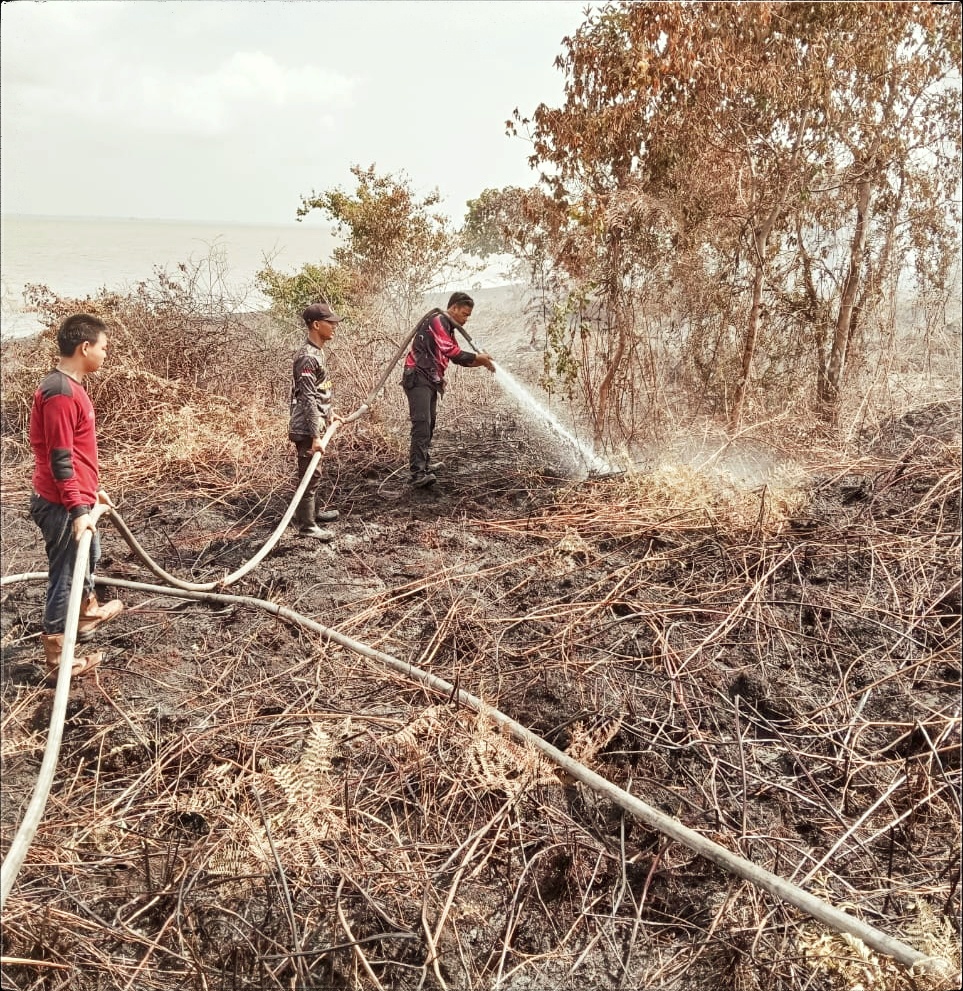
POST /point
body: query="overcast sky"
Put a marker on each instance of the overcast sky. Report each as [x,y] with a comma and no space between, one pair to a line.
[232,110]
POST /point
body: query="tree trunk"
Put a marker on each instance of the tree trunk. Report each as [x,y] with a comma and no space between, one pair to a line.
[760,239]
[836,367]
[752,331]
[614,305]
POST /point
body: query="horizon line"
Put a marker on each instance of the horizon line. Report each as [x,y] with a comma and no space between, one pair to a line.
[156,220]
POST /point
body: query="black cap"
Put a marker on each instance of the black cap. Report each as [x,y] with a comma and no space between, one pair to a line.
[320,311]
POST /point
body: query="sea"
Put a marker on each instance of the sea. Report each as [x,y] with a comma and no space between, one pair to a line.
[78,256]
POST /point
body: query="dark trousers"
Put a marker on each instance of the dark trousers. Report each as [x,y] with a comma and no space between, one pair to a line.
[422,407]
[58,537]
[305,454]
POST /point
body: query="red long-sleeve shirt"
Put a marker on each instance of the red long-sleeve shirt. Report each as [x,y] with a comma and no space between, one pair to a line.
[64,441]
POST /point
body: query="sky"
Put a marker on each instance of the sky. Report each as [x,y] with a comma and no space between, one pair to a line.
[233,110]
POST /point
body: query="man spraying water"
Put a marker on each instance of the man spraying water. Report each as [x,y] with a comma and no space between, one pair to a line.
[433,346]
[544,419]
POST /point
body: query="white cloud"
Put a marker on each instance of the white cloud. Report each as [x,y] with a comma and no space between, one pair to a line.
[226,108]
[247,87]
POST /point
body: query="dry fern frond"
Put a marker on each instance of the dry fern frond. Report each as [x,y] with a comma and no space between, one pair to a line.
[587,741]
[847,964]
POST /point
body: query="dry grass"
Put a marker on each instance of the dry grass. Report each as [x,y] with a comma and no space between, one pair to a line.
[242,807]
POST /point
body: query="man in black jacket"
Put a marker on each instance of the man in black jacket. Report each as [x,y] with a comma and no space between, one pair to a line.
[311,415]
[432,348]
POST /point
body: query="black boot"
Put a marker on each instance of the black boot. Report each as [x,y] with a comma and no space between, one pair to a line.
[307,527]
[422,479]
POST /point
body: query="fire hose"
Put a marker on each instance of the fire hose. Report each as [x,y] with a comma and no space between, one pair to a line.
[38,802]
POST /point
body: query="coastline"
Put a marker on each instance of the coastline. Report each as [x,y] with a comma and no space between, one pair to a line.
[497,306]
[80,257]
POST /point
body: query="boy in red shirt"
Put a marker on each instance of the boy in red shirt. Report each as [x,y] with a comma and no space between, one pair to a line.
[66,483]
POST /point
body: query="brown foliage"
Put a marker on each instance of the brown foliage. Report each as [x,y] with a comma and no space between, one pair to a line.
[802,158]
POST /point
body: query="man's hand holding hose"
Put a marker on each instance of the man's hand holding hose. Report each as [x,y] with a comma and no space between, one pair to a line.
[331,427]
[485,361]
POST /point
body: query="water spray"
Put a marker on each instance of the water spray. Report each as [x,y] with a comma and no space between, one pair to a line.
[597,467]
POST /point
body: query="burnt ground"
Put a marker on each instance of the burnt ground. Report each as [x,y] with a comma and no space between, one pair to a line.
[242,804]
